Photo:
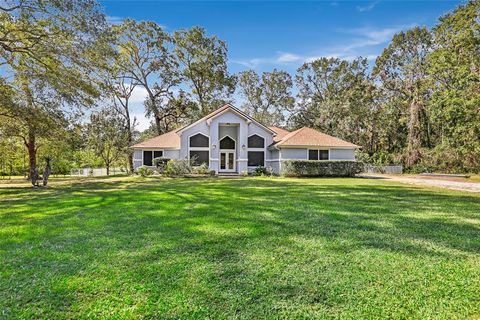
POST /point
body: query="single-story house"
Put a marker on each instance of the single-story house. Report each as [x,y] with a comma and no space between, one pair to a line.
[230,141]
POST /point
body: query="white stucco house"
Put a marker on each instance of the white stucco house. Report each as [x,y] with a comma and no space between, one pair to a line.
[230,141]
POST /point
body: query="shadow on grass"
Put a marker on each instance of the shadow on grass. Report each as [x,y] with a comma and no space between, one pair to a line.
[178,236]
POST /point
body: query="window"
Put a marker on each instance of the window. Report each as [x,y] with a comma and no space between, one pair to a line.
[323,155]
[312,154]
[198,157]
[318,155]
[256,158]
[256,141]
[227,143]
[149,155]
[199,141]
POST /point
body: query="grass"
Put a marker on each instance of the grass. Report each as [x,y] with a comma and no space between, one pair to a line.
[154,248]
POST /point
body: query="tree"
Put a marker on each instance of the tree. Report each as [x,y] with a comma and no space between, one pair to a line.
[203,61]
[269,99]
[122,92]
[29,27]
[337,97]
[145,59]
[402,71]
[107,136]
[454,68]
[53,49]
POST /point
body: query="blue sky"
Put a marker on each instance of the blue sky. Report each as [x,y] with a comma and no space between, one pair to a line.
[263,35]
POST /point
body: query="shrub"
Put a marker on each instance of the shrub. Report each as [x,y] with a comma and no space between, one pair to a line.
[178,167]
[202,169]
[262,171]
[316,168]
[144,171]
[160,163]
[259,171]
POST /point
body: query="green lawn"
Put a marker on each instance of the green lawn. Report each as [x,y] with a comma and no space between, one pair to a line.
[238,248]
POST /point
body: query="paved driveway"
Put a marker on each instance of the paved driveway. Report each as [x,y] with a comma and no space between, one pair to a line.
[443,183]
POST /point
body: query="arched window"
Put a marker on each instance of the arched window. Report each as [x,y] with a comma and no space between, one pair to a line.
[256,141]
[227,143]
[199,141]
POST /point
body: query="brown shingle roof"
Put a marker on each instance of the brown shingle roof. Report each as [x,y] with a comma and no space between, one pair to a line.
[280,133]
[312,138]
[169,140]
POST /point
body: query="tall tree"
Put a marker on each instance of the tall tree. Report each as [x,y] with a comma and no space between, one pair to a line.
[203,61]
[107,136]
[454,68]
[337,97]
[122,91]
[402,71]
[269,98]
[53,50]
[145,58]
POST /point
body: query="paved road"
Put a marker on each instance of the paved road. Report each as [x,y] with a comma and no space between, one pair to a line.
[454,185]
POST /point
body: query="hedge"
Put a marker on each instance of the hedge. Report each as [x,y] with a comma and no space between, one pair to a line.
[317,168]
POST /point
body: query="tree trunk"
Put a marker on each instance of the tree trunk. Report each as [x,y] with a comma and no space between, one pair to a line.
[130,142]
[108,169]
[414,142]
[46,172]
[32,153]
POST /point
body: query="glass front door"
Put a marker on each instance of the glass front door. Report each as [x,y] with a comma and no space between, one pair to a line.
[227,161]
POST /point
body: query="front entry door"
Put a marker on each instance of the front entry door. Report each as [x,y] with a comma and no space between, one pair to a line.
[227,161]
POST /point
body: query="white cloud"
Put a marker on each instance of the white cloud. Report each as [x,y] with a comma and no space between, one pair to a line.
[143,123]
[286,57]
[139,95]
[368,7]
[249,63]
[373,36]
[365,43]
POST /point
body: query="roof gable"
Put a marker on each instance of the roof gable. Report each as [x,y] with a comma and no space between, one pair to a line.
[222,110]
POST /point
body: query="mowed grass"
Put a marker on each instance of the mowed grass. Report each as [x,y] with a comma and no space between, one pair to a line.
[153,248]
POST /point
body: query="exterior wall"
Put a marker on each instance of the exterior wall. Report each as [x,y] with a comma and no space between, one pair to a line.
[171,154]
[274,160]
[253,128]
[231,124]
[200,127]
[138,156]
[294,154]
[228,117]
[342,154]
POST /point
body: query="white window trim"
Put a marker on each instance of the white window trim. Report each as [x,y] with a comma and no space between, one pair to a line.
[143,150]
[220,150]
[219,141]
[198,148]
[318,153]
[264,149]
